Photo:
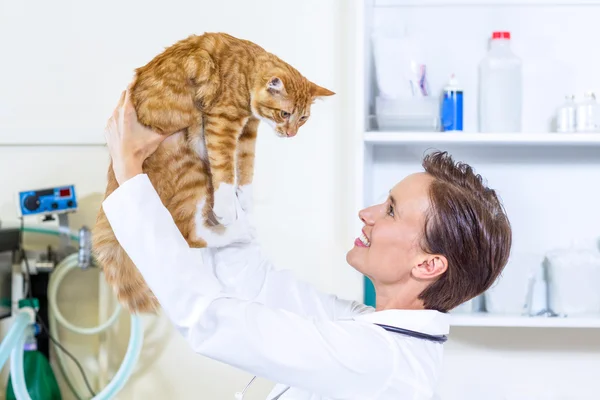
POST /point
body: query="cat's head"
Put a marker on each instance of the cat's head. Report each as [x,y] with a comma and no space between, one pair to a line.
[284,102]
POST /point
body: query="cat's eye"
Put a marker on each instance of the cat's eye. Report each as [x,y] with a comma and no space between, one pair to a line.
[285,114]
[303,118]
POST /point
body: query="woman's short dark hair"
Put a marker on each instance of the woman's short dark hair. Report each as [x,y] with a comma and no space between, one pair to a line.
[466,223]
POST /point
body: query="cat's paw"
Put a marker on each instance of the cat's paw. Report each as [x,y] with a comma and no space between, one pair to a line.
[245,197]
[241,230]
[224,204]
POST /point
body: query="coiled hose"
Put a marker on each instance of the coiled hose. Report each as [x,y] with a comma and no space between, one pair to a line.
[16,341]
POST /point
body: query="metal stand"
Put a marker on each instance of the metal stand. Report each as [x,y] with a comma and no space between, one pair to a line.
[64,248]
[41,269]
[547,310]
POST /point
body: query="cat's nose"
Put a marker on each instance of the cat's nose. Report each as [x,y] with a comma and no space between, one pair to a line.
[291,133]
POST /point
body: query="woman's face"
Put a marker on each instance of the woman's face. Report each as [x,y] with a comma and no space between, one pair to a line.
[388,249]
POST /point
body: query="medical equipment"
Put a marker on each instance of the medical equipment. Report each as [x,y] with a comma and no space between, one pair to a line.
[394,329]
[73,252]
[48,201]
[415,334]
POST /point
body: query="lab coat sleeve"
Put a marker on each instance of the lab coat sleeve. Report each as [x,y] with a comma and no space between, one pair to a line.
[339,359]
[246,271]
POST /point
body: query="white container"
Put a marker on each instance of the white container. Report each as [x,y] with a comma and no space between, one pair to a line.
[408,114]
[399,63]
[588,114]
[509,294]
[500,87]
[566,116]
[465,308]
[574,281]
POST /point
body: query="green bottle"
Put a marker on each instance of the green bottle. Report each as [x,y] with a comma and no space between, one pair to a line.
[39,377]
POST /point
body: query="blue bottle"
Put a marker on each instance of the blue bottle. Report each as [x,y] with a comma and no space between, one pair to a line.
[452,106]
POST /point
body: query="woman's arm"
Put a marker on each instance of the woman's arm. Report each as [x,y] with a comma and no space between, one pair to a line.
[247,272]
[241,267]
[339,359]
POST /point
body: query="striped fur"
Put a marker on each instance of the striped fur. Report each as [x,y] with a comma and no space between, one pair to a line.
[211,90]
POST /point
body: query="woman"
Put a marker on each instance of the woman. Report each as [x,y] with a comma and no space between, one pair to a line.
[441,238]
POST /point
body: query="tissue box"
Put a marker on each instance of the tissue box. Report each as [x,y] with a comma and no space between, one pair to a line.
[408,114]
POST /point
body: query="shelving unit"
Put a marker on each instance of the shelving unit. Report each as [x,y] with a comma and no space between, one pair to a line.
[536,172]
[482,3]
[501,321]
[488,139]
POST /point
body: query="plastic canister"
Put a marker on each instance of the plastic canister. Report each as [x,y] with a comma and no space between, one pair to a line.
[500,87]
[573,277]
[452,106]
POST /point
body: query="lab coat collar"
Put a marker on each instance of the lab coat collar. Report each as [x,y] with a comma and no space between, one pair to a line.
[431,322]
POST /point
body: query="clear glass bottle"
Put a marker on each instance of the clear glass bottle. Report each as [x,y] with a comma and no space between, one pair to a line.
[566,115]
[588,114]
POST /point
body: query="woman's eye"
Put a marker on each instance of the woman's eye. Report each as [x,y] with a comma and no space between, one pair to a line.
[391,210]
[285,114]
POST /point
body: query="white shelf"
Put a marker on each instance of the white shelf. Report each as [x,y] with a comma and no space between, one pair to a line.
[491,320]
[483,3]
[478,139]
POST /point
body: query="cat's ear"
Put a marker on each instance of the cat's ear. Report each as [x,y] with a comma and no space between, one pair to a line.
[318,91]
[275,85]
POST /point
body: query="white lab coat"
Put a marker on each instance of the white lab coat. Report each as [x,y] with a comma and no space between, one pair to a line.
[232,305]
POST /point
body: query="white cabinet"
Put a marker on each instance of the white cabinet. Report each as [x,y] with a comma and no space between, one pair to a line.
[548,182]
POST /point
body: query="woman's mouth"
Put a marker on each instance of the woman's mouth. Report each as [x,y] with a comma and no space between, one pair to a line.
[362,241]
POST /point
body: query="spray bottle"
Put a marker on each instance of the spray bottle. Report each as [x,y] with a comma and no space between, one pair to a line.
[452,106]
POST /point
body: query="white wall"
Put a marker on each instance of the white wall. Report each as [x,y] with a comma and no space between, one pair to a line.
[301,194]
[310,232]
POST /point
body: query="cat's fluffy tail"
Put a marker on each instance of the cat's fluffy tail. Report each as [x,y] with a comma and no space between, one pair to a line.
[121,274]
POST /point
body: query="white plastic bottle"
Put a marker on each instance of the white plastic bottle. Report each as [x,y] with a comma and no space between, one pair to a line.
[500,87]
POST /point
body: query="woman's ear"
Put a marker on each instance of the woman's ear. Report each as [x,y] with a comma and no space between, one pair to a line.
[431,267]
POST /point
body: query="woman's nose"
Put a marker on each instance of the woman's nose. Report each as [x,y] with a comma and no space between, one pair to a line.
[367,215]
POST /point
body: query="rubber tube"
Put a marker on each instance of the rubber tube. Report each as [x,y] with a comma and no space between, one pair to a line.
[53,285]
[49,231]
[134,349]
[17,369]
[17,329]
[61,270]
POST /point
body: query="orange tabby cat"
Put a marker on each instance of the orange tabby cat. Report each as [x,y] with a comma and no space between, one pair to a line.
[213,90]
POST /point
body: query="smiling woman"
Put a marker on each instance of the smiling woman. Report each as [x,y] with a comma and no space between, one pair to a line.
[392,256]
[441,238]
[440,229]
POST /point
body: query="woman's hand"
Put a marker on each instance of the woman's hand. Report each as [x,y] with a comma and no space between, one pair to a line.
[129,142]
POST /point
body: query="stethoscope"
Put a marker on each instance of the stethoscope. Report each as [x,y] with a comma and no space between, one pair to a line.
[394,329]
[415,334]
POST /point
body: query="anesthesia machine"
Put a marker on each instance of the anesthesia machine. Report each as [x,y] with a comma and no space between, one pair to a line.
[28,294]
